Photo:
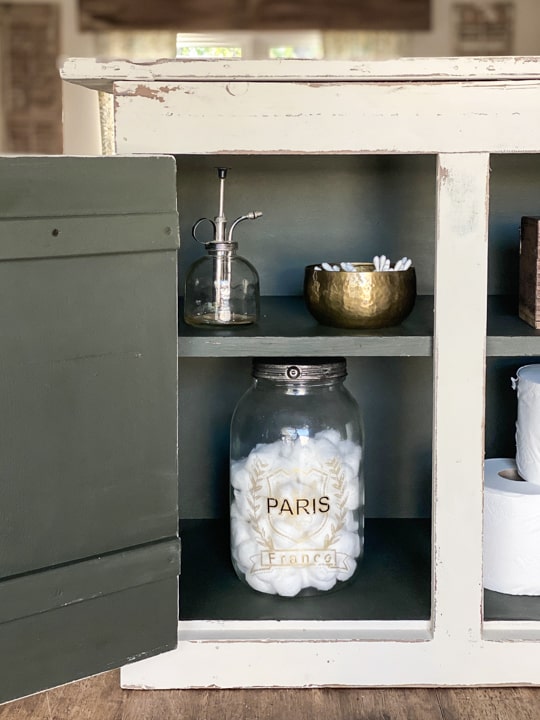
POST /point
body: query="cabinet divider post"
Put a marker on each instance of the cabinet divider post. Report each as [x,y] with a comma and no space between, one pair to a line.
[459,373]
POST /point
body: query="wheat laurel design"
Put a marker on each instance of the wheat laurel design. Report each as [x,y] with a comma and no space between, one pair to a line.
[338,482]
[256,479]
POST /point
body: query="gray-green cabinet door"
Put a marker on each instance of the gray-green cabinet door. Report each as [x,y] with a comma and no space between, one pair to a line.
[89,549]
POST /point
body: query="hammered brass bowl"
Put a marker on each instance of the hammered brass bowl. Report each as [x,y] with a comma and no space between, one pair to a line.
[361,299]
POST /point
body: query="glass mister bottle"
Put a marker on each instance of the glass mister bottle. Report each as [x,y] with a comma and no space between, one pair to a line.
[222,288]
[297,488]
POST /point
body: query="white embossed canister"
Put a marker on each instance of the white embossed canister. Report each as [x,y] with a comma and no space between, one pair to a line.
[297,490]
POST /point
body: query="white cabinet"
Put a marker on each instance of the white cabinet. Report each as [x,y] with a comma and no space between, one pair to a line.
[352,158]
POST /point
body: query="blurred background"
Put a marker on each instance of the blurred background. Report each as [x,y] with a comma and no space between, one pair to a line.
[40,114]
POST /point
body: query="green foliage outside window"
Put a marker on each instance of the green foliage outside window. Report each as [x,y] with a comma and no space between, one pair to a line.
[209,52]
[282,52]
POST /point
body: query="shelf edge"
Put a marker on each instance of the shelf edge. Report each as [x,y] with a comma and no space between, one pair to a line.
[304,631]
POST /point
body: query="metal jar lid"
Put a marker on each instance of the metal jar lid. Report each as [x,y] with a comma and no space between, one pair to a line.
[299,369]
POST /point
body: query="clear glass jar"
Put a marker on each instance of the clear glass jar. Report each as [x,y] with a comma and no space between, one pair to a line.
[297,490]
[222,288]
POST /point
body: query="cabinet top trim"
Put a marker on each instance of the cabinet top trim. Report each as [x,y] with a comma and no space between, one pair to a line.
[100,75]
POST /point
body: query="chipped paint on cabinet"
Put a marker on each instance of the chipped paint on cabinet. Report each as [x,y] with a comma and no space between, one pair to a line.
[463,110]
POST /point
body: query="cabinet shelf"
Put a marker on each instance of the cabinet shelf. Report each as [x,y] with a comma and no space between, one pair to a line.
[500,606]
[507,334]
[394,581]
[287,328]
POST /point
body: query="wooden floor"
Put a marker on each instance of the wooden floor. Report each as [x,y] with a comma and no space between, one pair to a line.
[100,698]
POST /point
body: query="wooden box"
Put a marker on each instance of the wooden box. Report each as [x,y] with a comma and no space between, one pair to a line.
[529,272]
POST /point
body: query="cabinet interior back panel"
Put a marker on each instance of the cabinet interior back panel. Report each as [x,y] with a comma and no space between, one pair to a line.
[514,192]
[349,207]
[501,406]
[395,397]
[315,208]
[357,206]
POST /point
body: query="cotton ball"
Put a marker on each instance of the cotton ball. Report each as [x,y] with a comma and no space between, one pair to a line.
[351,453]
[240,531]
[353,488]
[283,527]
[323,584]
[243,554]
[235,511]
[240,477]
[265,453]
[241,502]
[289,530]
[284,452]
[358,542]
[308,477]
[235,558]
[329,435]
[319,572]
[257,582]
[325,450]
[305,452]
[295,452]
[280,542]
[288,581]
[305,580]
[347,572]
[286,463]
[307,460]
[347,549]
[350,471]
[240,509]
[351,523]
[320,578]
[309,528]
[348,544]
[285,491]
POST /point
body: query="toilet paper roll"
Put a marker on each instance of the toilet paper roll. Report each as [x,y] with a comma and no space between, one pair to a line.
[511,530]
[527,383]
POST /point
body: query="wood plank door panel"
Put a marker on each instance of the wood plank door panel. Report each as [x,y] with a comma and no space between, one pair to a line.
[89,550]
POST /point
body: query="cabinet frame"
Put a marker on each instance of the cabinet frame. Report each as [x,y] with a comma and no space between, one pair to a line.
[462,110]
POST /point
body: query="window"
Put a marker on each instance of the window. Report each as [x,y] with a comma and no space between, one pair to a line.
[250,45]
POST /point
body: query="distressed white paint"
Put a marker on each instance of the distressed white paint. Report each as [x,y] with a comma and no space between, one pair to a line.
[462,109]
[297,663]
[236,117]
[459,392]
[101,75]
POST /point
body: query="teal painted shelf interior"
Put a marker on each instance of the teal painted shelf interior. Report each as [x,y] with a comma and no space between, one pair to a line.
[394,581]
[344,208]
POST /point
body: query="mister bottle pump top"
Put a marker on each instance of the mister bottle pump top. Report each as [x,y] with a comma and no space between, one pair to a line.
[219,223]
